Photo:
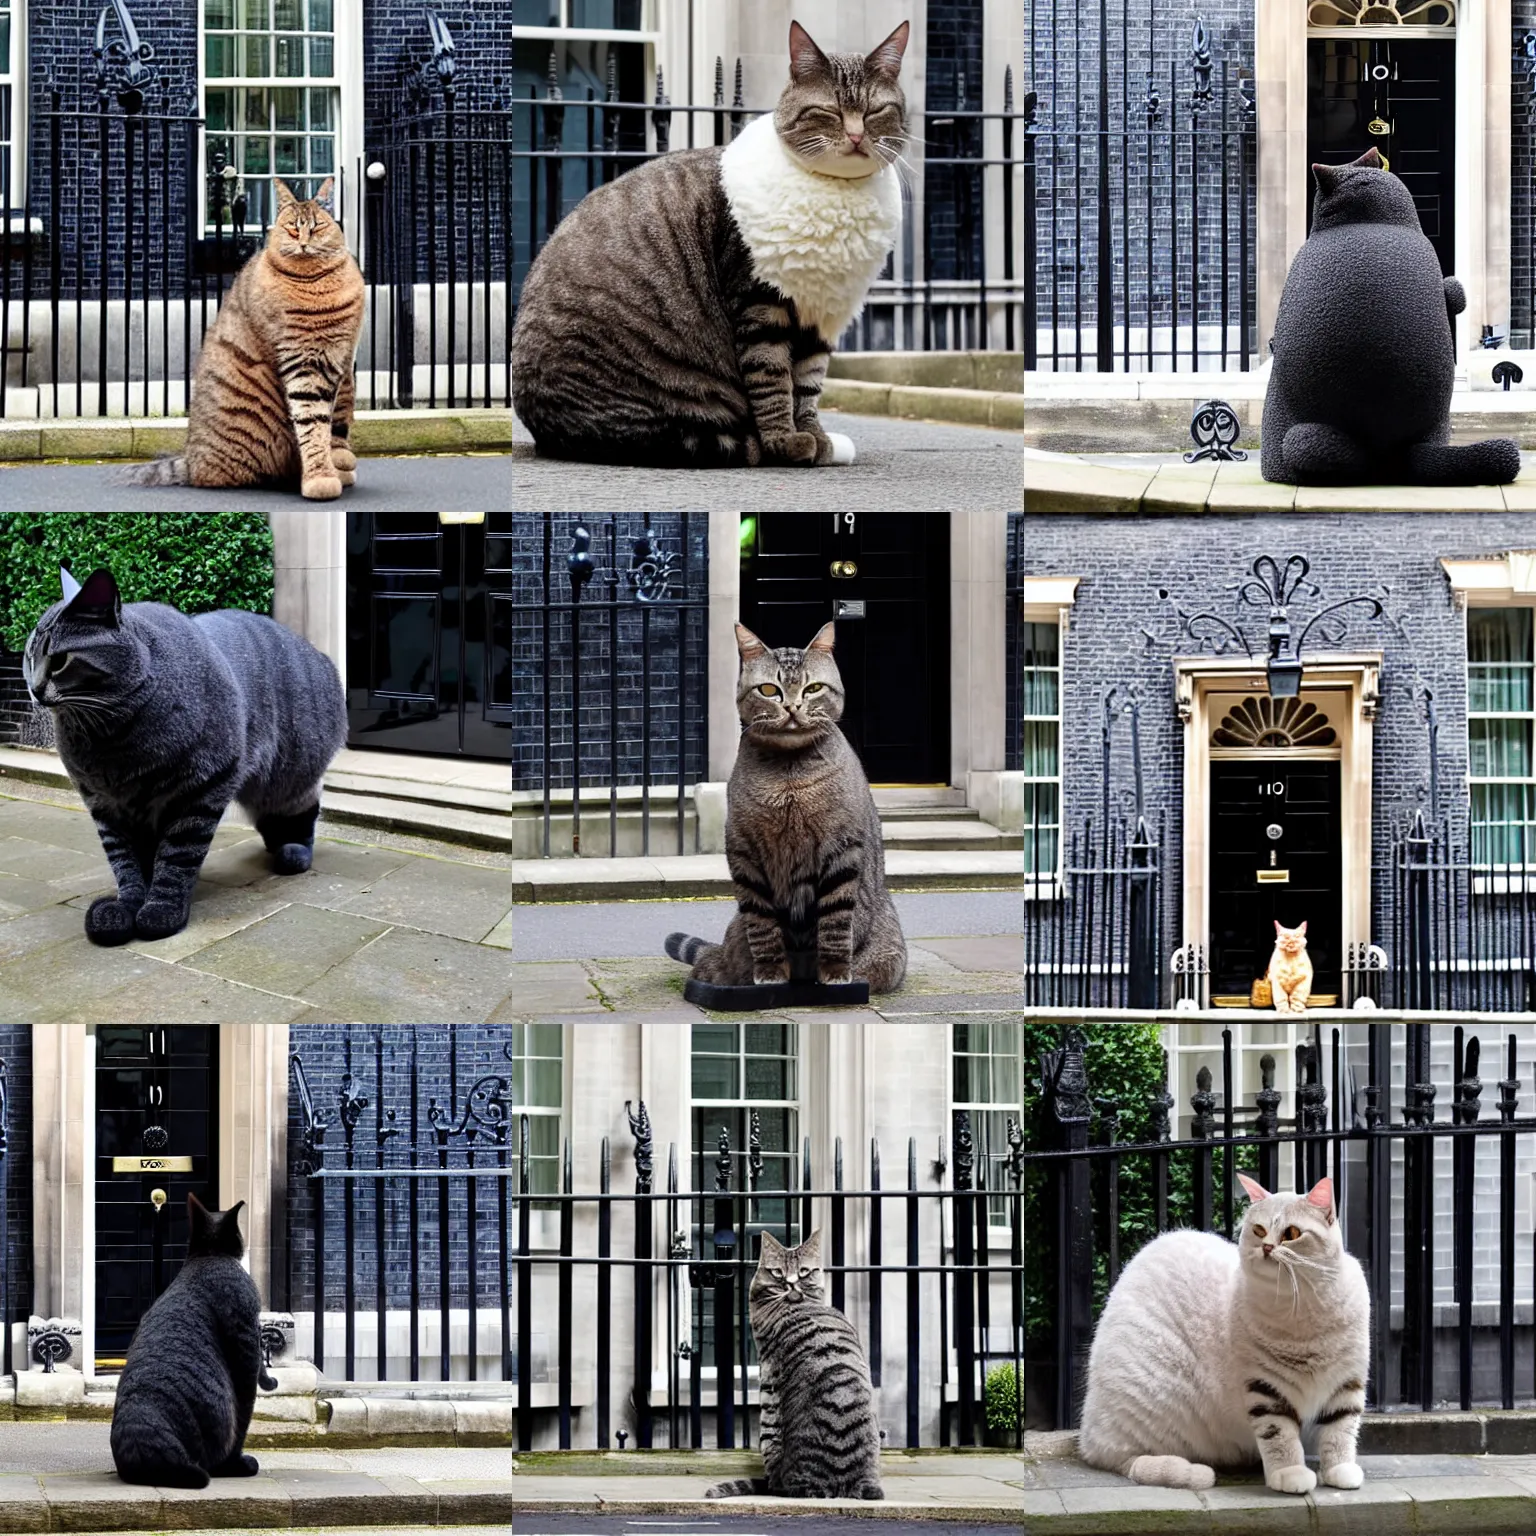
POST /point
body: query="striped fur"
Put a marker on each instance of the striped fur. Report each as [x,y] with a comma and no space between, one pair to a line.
[163,720]
[802,836]
[670,321]
[273,395]
[817,1430]
[1211,1353]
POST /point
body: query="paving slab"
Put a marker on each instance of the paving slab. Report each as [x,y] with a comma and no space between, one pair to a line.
[562,986]
[437,896]
[292,949]
[415,978]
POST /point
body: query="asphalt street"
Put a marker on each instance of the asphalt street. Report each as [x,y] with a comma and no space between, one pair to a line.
[616,929]
[916,466]
[747,1524]
[470,482]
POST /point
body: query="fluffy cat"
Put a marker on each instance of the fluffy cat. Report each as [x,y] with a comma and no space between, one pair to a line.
[1290,970]
[184,1398]
[162,720]
[817,1432]
[272,398]
[683,315]
[1211,1353]
[802,836]
[1364,361]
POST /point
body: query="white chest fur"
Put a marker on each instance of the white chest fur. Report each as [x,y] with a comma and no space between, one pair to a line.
[819,240]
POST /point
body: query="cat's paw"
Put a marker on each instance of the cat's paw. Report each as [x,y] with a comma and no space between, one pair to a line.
[342,457]
[843,451]
[1292,1479]
[769,975]
[159,919]
[321,488]
[237,1466]
[791,448]
[1346,1474]
[291,859]
[833,975]
[109,921]
[346,476]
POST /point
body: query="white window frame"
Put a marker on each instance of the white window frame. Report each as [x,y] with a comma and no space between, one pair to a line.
[1047,601]
[1498,880]
[999,1233]
[649,30]
[347,24]
[14,74]
[545,1222]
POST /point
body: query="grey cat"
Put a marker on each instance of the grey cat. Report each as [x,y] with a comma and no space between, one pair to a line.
[818,1432]
[802,836]
[684,314]
[163,720]
[184,1399]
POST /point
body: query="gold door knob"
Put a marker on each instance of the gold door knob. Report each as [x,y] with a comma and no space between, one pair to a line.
[843,569]
[157,1198]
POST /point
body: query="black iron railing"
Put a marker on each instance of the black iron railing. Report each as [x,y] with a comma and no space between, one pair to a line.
[565,148]
[433,1184]
[1140,216]
[1093,916]
[1461,933]
[1077,1166]
[619,656]
[717,1262]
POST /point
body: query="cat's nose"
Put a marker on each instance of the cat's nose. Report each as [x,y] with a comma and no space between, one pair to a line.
[1269,1248]
[855,139]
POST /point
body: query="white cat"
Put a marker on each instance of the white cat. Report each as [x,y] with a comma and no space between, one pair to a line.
[1212,1353]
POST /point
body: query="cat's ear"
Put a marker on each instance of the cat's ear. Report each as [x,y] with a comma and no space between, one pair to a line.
[284,193]
[748,644]
[1370,158]
[810,1249]
[1303,927]
[323,193]
[68,585]
[826,638]
[1327,178]
[1278,929]
[1252,1188]
[771,1247]
[1321,1195]
[805,58]
[97,600]
[886,59]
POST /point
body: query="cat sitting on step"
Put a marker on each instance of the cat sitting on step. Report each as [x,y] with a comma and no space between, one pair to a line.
[1290,970]
[163,720]
[802,836]
[185,1396]
[1212,1354]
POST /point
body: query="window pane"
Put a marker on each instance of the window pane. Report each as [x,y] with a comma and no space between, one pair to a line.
[1041,692]
[288,157]
[1500,749]
[218,13]
[1499,634]
[290,58]
[1041,805]
[220,110]
[255,56]
[219,57]
[973,1080]
[258,200]
[288,110]
[543,1040]
[545,1079]
[1042,645]
[322,155]
[769,1039]
[288,16]
[775,1132]
[1041,757]
[320,16]
[767,1078]
[255,15]
[5,51]
[256,110]
[258,156]
[322,52]
[714,1077]
[1041,850]
[320,109]
[535,13]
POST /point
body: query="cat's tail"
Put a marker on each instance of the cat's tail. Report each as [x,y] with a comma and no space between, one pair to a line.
[166,470]
[684,947]
[738,1486]
[1495,461]
[1170,1472]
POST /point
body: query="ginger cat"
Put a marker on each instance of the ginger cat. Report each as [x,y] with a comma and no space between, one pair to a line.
[1290,971]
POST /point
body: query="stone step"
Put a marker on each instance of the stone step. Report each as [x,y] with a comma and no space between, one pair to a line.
[421,791]
[952,835]
[927,813]
[420,818]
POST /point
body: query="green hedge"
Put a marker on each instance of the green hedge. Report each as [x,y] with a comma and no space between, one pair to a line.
[195,561]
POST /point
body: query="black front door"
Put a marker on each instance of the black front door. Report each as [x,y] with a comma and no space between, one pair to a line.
[1409,85]
[884,577]
[156,1092]
[1274,858]
[429,633]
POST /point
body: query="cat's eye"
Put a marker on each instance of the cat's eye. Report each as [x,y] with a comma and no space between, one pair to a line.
[1259,1231]
[774,1269]
[1291,1234]
[815,687]
[767,690]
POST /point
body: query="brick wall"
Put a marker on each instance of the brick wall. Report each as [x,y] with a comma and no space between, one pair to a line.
[22,723]
[952,194]
[1522,176]
[670,686]
[16,1170]
[1125,563]
[449,1060]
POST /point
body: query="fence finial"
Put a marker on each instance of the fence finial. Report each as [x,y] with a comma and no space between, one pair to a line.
[723,1162]
[1064,1079]
[965,1149]
[1161,1103]
[640,1129]
[1267,1098]
[1203,1102]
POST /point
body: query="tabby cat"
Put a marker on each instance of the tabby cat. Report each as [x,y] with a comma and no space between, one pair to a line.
[802,836]
[184,1399]
[162,720]
[272,397]
[1212,1354]
[684,314]
[1290,970]
[818,1432]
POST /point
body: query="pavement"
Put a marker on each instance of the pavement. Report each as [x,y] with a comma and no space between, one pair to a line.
[916,465]
[60,1477]
[382,929]
[964,962]
[467,482]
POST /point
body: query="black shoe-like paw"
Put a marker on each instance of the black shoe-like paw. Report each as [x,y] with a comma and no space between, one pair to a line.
[291,859]
[237,1466]
[109,921]
[159,919]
